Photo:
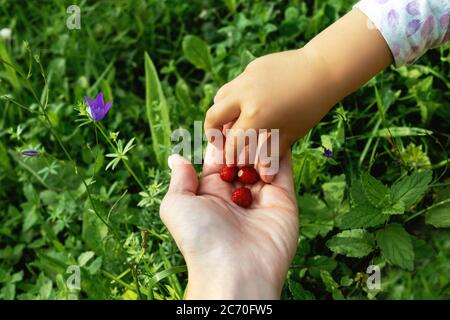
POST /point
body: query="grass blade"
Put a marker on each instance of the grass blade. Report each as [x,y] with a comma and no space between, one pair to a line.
[157,113]
[10,72]
[164,274]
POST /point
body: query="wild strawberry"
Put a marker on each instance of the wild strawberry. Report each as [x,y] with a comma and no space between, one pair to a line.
[242,197]
[228,174]
[248,175]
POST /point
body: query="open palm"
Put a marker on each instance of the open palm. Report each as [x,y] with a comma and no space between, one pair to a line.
[220,239]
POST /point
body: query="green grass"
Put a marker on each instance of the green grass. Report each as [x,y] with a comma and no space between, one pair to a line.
[161,63]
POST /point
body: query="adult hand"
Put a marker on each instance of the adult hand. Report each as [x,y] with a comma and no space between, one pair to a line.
[231,252]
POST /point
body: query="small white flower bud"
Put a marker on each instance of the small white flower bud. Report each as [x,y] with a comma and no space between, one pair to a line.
[5,33]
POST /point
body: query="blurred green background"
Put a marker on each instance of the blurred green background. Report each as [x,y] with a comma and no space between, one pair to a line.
[161,62]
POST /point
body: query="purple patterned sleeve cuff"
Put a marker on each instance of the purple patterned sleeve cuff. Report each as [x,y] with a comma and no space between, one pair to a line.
[410,27]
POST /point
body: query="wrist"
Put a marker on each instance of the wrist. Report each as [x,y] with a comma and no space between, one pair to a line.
[349,61]
[229,283]
[319,64]
[318,87]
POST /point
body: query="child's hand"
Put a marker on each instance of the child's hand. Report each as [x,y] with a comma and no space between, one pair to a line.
[283,91]
[291,91]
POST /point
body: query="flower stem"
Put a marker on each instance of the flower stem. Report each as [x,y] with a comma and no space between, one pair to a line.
[427,209]
[125,162]
[77,171]
[47,123]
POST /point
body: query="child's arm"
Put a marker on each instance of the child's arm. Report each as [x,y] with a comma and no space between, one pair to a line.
[352,52]
[293,90]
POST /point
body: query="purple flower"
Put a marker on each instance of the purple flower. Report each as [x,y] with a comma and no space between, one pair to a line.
[413,8]
[327,152]
[98,109]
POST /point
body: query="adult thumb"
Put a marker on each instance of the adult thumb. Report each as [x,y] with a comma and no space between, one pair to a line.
[184,178]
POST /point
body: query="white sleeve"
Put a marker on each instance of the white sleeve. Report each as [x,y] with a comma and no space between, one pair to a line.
[410,27]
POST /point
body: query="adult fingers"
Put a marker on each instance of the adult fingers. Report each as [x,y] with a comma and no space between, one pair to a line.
[183,177]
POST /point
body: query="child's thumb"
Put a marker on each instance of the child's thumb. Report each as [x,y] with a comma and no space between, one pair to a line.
[184,178]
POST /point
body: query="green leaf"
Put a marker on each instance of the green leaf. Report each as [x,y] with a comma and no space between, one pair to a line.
[49,197]
[413,156]
[331,285]
[411,188]
[94,231]
[316,217]
[397,208]
[362,217]
[439,216]
[183,95]
[246,58]
[16,277]
[326,142]
[164,274]
[95,266]
[307,166]
[376,193]
[357,194]
[318,263]
[346,281]
[298,292]
[85,257]
[333,191]
[10,71]
[31,215]
[197,52]
[46,289]
[8,291]
[313,229]
[355,243]
[129,146]
[113,163]
[157,113]
[396,246]
[231,5]
[402,132]
[30,193]
[209,91]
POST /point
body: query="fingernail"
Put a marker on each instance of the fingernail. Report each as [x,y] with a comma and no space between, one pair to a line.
[169,161]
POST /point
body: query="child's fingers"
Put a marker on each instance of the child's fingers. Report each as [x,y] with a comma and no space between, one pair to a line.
[247,155]
[231,148]
[222,112]
[237,138]
[262,161]
[268,156]
[222,93]
[226,126]
[227,89]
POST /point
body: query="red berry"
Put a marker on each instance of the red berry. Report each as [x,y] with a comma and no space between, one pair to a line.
[228,174]
[242,197]
[248,175]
